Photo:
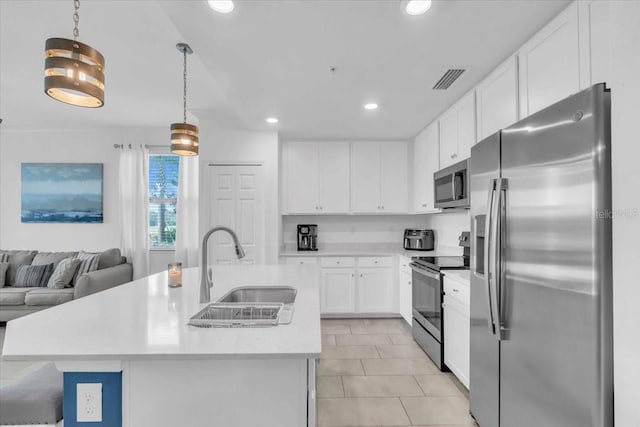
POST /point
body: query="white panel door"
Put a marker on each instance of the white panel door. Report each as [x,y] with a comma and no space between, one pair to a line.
[497,99]
[302,177]
[337,290]
[426,161]
[375,290]
[236,201]
[365,177]
[549,63]
[334,176]
[394,182]
[448,138]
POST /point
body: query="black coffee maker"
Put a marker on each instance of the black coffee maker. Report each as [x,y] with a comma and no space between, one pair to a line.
[307,237]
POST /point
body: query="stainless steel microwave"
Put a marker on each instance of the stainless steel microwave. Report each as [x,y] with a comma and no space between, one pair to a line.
[451,186]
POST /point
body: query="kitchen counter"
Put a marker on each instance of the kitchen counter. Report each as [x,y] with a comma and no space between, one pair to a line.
[145,319]
[155,370]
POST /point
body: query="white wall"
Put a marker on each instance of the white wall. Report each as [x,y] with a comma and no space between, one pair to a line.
[625,110]
[17,147]
[228,146]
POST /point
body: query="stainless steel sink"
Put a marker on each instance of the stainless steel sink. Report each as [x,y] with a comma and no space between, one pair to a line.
[249,307]
[261,294]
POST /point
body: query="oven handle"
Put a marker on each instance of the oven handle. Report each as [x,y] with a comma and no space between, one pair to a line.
[425,272]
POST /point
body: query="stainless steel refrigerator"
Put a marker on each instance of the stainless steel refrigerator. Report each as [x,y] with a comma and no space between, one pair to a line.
[541,287]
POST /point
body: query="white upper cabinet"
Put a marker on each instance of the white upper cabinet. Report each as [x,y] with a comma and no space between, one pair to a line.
[394,182]
[458,131]
[426,161]
[595,30]
[549,63]
[365,177]
[379,177]
[334,177]
[497,99]
[317,177]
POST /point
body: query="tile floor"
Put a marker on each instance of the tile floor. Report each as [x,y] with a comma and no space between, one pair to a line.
[372,373]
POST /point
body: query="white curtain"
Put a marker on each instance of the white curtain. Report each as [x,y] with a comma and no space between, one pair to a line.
[134,207]
[187,225]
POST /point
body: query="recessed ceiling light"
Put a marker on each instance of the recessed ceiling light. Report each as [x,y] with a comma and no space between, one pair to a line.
[417,7]
[271,120]
[222,6]
[370,106]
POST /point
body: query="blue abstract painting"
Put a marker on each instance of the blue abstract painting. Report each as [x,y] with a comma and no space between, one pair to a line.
[62,192]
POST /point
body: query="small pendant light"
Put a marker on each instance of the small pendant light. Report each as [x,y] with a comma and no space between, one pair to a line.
[184,137]
[74,71]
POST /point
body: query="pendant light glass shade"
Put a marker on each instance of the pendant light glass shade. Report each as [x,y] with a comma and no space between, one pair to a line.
[74,71]
[184,136]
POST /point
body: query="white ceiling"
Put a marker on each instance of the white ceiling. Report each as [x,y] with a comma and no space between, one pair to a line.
[266,58]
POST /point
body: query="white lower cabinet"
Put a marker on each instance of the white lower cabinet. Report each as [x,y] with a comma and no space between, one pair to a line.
[337,290]
[356,285]
[404,289]
[457,329]
[375,288]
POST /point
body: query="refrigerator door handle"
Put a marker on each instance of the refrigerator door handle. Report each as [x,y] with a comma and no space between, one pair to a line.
[497,238]
[487,252]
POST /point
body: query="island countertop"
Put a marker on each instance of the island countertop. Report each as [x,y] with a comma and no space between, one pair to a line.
[145,319]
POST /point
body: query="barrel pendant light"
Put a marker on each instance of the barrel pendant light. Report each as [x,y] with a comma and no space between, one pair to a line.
[184,137]
[74,71]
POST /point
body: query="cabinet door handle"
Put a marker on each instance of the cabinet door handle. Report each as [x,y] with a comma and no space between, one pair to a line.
[409,282]
[337,262]
[353,275]
[375,262]
[321,207]
[382,207]
[424,205]
[360,275]
[455,290]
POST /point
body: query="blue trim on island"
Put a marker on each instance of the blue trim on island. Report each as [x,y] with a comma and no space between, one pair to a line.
[111,398]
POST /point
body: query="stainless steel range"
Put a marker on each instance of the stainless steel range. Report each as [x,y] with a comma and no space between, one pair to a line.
[427,294]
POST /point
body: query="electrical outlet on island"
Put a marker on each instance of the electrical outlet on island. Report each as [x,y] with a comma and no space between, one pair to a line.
[89,402]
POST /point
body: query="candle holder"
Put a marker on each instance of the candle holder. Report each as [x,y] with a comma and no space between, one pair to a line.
[174,273]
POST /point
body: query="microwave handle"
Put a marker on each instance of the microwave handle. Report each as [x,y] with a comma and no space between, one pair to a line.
[453,187]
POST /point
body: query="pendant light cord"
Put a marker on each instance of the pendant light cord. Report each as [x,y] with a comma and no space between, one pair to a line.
[184,77]
[76,20]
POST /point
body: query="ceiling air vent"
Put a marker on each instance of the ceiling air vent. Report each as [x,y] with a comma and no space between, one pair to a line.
[448,78]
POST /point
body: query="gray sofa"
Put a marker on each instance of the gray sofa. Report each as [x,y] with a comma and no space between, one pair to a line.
[113,270]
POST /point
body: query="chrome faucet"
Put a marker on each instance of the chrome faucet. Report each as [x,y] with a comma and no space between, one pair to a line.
[205,283]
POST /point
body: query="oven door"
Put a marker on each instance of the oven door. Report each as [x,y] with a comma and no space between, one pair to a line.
[427,299]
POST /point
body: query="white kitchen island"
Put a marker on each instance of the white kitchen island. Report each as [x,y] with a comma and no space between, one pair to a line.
[173,374]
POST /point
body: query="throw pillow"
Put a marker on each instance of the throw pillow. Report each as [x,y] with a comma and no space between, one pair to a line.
[33,276]
[4,266]
[63,274]
[88,262]
[4,257]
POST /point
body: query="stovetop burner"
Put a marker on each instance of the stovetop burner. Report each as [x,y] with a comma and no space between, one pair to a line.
[442,262]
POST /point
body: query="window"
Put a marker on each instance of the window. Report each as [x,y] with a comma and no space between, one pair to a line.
[163,193]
